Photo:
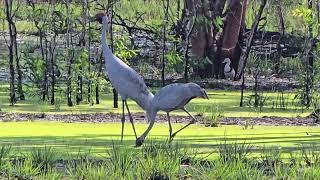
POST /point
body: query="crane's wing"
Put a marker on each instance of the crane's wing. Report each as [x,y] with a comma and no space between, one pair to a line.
[170,97]
[127,81]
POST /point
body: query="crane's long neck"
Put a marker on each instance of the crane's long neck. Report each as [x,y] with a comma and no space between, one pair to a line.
[151,115]
[106,50]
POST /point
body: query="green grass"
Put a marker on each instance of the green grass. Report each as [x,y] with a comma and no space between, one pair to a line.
[226,101]
[96,138]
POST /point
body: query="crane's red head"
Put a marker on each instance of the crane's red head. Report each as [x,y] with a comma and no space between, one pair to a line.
[98,17]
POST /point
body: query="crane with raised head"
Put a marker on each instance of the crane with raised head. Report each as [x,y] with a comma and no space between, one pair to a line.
[123,78]
[169,98]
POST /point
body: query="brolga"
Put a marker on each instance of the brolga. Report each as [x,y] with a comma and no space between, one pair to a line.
[229,72]
[169,98]
[124,79]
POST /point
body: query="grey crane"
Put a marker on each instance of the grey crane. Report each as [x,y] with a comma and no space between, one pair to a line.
[169,98]
[123,78]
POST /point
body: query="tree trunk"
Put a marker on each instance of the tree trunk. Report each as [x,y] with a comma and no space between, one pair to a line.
[69,55]
[203,38]
[277,59]
[89,56]
[115,93]
[8,9]
[244,55]
[186,55]
[309,63]
[233,26]
[99,75]
[15,46]
[53,74]
[166,11]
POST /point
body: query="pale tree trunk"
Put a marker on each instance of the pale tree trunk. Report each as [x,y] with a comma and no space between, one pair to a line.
[202,38]
[208,42]
[233,28]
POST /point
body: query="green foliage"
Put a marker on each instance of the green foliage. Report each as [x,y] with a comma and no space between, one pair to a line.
[4,155]
[44,157]
[122,50]
[51,174]
[211,117]
[121,161]
[305,13]
[235,151]
[174,61]
[218,22]
[25,168]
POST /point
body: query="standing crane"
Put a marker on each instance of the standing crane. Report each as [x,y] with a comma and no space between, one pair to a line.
[169,98]
[229,72]
[124,79]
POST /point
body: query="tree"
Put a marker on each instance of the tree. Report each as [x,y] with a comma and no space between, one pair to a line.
[69,52]
[214,39]
[9,18]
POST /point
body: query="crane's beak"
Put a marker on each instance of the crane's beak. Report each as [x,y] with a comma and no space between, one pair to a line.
[205,95]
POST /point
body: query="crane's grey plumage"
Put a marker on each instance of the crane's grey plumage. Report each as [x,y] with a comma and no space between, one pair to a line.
[169,98]
[124,79]
[229,72]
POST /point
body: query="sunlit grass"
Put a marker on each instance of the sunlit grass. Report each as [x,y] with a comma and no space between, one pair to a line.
[227,101]
[96,138]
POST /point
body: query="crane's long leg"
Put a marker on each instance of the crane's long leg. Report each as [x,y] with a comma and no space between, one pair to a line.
[191,122]
[131,119]
[122,120]
[170,127]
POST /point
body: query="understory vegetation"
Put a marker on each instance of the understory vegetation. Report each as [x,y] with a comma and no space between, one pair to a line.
[221,103]
[159,160]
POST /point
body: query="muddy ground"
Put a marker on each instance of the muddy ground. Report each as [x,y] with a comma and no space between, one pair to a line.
[140,117]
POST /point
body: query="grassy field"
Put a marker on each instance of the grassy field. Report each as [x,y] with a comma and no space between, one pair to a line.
[97,138]
[227,102]
[52,150]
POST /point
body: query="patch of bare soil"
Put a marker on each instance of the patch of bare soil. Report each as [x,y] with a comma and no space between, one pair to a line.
[140,117]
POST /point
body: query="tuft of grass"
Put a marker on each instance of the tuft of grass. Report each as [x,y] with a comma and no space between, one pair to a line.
[45,157]
[50,174]
[212,116]
[25,168]
[120,162]
[235,151]
[311,154]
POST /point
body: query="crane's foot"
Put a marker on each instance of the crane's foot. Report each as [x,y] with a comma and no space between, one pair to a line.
[139,141]
[171,137]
